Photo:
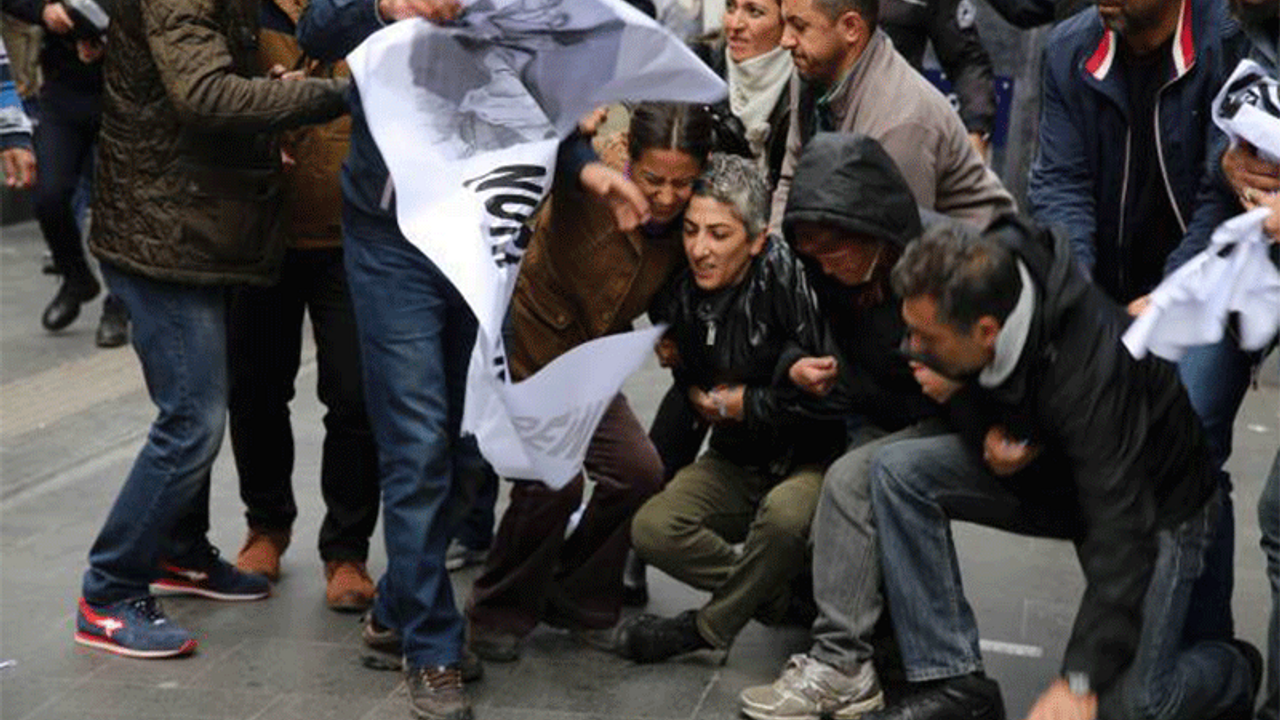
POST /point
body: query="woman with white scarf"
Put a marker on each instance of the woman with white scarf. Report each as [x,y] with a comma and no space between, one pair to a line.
[747,54]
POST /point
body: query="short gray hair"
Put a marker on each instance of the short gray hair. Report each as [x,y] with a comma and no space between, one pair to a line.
[737,182]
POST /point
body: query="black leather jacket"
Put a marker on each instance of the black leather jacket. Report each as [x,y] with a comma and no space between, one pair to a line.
[750,334]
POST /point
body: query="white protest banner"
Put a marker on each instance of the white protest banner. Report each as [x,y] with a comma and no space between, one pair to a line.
[468,118]
[1190,307]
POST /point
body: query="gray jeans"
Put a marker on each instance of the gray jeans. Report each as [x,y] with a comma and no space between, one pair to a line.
[846,556]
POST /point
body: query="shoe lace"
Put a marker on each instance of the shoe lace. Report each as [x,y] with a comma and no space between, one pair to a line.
[148,608]
[440,677]
[803,675]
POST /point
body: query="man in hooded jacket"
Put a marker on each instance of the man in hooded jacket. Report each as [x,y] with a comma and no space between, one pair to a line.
[849,214]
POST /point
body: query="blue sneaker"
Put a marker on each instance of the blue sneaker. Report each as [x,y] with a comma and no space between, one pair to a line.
[209,576]
[135,628]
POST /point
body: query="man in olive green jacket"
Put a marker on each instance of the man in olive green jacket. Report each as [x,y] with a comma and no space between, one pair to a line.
[186,206]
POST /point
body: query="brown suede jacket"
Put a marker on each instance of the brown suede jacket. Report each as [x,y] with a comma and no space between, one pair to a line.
[582,278]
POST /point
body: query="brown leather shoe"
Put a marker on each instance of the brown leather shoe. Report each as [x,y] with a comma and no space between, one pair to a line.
[436,693]
[349,588]
[261,552]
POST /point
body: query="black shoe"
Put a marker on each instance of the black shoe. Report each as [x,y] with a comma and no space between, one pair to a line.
[649,638]
[968,697]
[635,595]
[493,645]
[1254,658]
[113,328]
[65,306]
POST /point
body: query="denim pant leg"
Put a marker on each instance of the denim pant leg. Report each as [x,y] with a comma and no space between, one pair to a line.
[934,624]
[180,337]
[1216,378]
[846,555]
[1269,522]
[264,348]
[416,334]
[1169,678]
[917,488]
[349,456]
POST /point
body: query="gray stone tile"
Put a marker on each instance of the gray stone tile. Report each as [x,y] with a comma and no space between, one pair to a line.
[94,699]
[293,667]
[579,680]
[23,691]
[305,706]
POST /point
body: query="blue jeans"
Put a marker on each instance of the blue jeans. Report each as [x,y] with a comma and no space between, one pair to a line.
[920,486]
[416,334]
[1269,521]
[1216,378]
[180,336]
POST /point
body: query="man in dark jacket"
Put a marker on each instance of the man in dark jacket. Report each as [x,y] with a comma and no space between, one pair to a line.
[70,113]
[849,214]
[186,205]
[1060,434]
[1125,131]
[1125,134]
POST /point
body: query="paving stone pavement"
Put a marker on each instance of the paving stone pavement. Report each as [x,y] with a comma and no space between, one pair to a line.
[72,418]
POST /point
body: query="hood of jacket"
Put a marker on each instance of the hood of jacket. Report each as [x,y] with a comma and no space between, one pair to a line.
[849,181]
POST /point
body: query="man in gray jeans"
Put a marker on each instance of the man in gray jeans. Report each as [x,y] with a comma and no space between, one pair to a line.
[850,213]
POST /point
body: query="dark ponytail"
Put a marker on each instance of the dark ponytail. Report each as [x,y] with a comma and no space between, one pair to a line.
[697,130]
[671,126]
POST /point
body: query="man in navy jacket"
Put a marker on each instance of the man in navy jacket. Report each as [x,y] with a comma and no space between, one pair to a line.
[1125,135]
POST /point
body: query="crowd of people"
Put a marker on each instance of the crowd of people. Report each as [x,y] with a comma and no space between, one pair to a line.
[866,340]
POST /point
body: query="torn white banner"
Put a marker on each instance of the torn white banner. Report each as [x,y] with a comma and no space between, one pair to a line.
[1248,108]
[468,118]
[1190,307]
[545,422]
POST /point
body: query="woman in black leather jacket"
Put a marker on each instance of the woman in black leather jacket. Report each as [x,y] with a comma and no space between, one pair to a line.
[740,316]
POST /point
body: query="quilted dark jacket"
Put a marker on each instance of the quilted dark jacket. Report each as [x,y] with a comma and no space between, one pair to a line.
[188,175]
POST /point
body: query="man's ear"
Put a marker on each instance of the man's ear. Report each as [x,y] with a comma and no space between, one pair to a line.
[853,28]
[986,329]
[759,243]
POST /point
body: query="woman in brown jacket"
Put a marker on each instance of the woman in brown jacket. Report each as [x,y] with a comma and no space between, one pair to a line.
[584,277]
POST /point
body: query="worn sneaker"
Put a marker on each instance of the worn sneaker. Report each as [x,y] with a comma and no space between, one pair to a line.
[260,554]
[459,556]
[809,689]
[387,641]
[210,577]
[348,587]
[436,693]
[649,638]
[135,628]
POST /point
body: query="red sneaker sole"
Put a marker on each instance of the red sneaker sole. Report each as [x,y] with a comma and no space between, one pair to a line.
[102,643]
[177,587]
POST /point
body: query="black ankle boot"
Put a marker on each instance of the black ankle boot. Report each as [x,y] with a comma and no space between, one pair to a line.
[649,638]
[65,306]
[113,328]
